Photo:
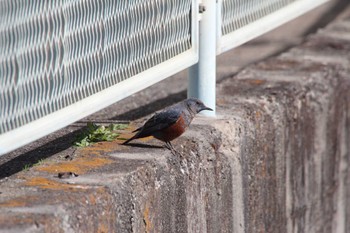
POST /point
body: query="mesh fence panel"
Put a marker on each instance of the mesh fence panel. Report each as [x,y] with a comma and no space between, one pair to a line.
[239,13]
[55,53]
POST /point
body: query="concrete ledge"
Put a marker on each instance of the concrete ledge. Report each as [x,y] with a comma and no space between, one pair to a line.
[276,159]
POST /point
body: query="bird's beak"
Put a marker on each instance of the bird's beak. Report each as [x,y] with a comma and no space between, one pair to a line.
[206,108]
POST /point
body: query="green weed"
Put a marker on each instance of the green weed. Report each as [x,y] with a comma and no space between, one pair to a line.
[95,133]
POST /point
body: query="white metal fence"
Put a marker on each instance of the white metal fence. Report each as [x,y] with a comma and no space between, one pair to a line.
[241,20]
[63,60]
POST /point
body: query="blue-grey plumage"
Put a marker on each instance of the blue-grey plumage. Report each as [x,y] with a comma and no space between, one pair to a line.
[171,122]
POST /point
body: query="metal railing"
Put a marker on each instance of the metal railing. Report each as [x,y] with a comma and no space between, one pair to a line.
[63,60]
[236,28]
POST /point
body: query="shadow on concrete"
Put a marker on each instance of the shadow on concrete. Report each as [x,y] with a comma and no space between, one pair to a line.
[32,157]
[143,145]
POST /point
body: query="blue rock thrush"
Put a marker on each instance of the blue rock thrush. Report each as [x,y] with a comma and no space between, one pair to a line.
[171,122]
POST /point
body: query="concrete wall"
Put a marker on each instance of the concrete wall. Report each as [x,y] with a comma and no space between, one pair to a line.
[276,159]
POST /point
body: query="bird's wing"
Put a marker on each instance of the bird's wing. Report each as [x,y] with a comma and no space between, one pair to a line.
[159,121]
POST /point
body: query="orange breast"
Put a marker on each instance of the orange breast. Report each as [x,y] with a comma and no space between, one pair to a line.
[172,132]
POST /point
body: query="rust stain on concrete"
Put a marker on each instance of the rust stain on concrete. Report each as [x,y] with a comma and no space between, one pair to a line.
[101,147]
[258,114]
[256,81]
[79,166]
[46,183]
[147,220]
[102,228]
[19,201]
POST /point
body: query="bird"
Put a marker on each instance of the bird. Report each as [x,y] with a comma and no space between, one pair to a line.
[171,122]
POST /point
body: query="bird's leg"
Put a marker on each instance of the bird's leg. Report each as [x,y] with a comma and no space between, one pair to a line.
[171,148]
[168,145]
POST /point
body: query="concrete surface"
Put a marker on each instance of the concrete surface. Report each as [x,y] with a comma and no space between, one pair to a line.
[276,159]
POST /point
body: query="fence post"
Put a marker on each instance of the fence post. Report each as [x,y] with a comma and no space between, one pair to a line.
[202,76]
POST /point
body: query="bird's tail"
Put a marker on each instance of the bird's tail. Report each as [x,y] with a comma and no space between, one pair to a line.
[133,137]
[127,141]
[138,129]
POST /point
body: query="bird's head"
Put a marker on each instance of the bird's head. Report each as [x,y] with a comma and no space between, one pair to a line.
[195,105]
